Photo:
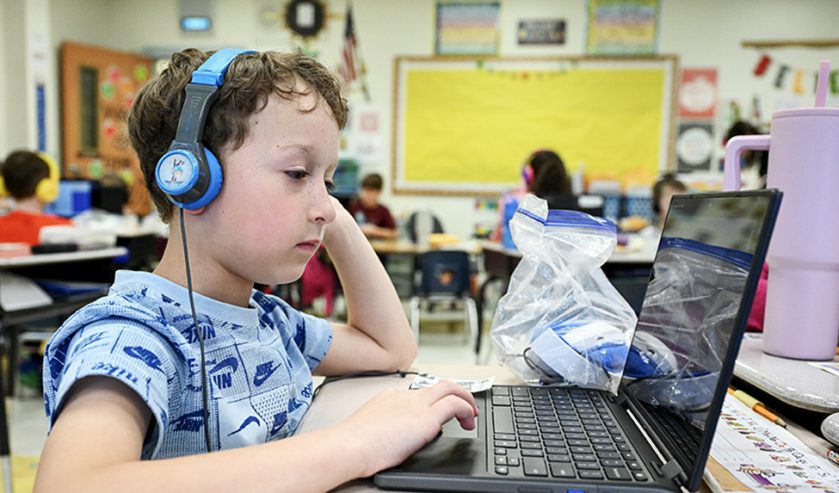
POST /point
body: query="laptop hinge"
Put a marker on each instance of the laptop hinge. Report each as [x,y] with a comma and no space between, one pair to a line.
[672,470]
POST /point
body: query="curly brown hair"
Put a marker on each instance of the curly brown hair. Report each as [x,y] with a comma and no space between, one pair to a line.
[249,82]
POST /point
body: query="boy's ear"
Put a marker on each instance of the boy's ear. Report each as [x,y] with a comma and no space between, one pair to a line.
[195,212]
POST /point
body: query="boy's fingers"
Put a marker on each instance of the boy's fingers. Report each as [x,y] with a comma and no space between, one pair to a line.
[453,406]
[449,388]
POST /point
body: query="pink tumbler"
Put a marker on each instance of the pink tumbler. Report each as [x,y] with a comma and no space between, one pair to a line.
[802,300]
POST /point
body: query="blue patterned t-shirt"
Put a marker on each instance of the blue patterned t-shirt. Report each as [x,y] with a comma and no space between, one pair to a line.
[259,362]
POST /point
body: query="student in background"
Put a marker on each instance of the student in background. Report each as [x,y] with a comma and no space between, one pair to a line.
[545,176]
[664,189]
[374,218]
[124,377]
[31,179]
[750,158]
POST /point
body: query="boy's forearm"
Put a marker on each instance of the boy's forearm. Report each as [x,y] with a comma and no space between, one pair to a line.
[296,464]
[373,305]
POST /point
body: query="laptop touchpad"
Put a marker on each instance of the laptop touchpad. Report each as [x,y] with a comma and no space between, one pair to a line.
[452,429]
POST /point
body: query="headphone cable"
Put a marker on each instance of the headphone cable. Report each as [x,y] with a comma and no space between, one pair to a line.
[204,393]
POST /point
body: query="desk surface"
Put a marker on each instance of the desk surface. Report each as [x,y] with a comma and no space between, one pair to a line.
[406,247]
[56,258]
[795,382]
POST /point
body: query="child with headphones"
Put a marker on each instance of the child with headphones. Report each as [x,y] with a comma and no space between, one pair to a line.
[238,152]
[31,179]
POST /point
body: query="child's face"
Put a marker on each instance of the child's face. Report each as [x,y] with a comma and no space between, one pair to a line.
[369,197]
[270,216]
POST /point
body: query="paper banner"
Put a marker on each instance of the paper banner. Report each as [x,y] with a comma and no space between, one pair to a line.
[698,93]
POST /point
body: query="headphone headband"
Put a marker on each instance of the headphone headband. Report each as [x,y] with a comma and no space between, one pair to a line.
[190,175]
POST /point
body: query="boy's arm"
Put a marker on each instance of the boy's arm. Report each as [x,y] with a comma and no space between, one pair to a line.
[377,335]
[96,441]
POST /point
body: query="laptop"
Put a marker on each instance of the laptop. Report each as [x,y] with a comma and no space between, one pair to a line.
[656,433]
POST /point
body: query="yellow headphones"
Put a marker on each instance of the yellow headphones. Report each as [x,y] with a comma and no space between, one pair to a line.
[47,189]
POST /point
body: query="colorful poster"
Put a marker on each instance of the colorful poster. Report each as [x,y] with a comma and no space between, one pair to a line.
[622,27]
[698,93]
[694,147]
[467,28]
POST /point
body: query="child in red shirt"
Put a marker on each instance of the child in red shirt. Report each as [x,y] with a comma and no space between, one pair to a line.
[32,180]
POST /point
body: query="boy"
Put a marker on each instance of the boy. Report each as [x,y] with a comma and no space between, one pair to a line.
[32,180]
[123,380]
[375,219]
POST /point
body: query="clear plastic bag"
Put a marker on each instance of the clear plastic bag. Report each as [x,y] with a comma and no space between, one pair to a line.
[689,311]
[562,321]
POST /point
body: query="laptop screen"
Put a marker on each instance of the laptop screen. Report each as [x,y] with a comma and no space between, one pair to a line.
[693,315]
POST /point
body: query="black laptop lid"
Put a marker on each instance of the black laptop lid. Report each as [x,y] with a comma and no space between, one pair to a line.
[694,314]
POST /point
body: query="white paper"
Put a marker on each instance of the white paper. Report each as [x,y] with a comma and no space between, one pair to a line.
[766,457]
[424,380]
[19,293]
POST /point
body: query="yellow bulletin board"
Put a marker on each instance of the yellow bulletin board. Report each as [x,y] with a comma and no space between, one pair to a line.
[464,126]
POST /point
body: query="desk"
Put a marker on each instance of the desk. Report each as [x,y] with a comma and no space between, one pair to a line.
[791,381]
[11,320]
[408,248]
[340,399]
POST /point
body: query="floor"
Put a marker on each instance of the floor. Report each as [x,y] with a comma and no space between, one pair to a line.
[442,343]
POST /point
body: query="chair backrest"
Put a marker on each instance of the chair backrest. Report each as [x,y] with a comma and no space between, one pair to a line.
[445,272]
[411,225]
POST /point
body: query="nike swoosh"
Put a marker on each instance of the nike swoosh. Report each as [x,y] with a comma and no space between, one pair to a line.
[260,378]
[231,362]
[245,423]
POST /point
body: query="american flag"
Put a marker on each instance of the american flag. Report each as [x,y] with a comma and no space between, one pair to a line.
[352,66]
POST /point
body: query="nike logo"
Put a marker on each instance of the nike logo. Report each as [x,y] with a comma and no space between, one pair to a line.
[264,372]
[230,362]
[245,423]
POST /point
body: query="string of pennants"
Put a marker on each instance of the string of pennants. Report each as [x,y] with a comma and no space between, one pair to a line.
[561,69]
[786,76]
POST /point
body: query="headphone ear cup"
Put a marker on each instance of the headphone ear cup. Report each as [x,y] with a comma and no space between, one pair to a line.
[47,189]
[216,177]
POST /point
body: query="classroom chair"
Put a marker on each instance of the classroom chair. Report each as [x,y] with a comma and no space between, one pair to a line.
[445,277]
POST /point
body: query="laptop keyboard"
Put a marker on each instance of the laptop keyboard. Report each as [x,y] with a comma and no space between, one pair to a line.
[560,433]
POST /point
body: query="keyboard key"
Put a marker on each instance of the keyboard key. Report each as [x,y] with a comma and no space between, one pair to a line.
[502,420]
[562,470]
[590,474]
[608,455]
[604,447]
[500,400]
[500,451]
[611,463]
[587,465]
[578,443]
[534,467]
[501,391]
[600,440]
[634,466]
[531,453]
[628,455]
[586,457]
[504,436]
[530,438]
[500,460]
[556,450]
[623,447]
[513,461]
[617,473]
[534,433]
[559,458]
[552,436]
[575,436]
[520,391]
[531,445]
[502,470]
[580,450]
[527,426]
[639,476]
[505,444]
[553,443]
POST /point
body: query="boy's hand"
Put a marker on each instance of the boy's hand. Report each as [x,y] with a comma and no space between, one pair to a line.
[396,423]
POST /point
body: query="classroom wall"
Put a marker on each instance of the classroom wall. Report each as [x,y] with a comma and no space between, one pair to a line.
[703,34]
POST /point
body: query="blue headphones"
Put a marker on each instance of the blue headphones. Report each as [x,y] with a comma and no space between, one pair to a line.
[189,174]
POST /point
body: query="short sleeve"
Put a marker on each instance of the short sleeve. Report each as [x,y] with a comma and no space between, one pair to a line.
[311,335]
[126,351]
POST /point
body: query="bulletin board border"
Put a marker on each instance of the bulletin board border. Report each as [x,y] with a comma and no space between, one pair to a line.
[465,189]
